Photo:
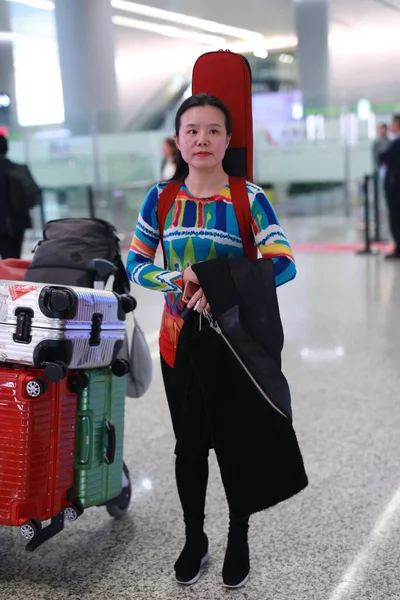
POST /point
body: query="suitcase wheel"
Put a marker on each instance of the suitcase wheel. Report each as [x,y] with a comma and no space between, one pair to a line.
[60,301]
[77,383]
[128,304]
[55,371]
[29,529]
[118,507]
[85,380]
[35,388]
[72,513]
[120,367]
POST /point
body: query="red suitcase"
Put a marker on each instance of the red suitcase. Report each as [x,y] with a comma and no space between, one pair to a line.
[37,441]
[227,76]
[13,269]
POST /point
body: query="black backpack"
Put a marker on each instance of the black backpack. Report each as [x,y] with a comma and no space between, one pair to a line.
[64,255]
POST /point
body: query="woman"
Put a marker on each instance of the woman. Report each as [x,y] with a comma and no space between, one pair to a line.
[201,226]
[168,166]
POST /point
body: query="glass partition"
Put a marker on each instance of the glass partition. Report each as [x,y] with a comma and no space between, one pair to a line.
[309,162]
[120,204]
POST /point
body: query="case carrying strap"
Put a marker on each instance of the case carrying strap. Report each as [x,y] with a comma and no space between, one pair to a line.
[241,206]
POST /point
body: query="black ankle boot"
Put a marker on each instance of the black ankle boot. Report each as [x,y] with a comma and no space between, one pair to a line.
[191,560]
[236,569]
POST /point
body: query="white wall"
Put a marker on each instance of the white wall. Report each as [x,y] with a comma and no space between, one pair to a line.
[364,64]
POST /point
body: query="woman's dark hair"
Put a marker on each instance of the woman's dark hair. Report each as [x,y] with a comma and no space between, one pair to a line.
[182,168]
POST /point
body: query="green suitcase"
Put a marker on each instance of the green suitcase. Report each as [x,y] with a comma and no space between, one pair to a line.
[99,439]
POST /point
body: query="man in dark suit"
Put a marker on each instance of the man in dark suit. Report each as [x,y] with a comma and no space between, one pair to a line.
[17,195]
[381,144]
[391,159]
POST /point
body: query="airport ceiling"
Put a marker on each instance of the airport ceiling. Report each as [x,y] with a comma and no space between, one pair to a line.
[276,17]
[269,17]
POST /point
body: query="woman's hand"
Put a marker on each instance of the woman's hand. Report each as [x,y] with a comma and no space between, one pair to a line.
[198,296]
[190,275]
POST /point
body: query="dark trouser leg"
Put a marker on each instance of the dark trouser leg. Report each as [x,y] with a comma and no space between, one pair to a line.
[7,248]
[18,241]
[236,569]
[393,200]
[11,246]
[396,224]
[191,466]
[191,470]
[238,530]
[191,478]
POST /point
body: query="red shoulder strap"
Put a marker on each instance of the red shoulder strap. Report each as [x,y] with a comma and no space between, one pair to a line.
[165,202]
[241,206]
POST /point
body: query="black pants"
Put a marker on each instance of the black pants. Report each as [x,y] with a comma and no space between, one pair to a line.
[191,468]
[11,246]
[393,200]
[191,465]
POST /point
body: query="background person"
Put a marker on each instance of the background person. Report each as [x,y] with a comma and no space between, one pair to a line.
[391,159]
[169,162]
[18,194]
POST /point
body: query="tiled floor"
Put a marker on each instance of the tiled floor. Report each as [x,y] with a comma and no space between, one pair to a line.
[340,539]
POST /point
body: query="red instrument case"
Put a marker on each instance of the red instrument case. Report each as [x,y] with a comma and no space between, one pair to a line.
[227,76]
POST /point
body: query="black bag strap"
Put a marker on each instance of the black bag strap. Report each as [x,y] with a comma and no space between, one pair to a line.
[121,282]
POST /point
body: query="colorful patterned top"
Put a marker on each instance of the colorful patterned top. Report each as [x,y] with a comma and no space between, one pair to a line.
[199,229]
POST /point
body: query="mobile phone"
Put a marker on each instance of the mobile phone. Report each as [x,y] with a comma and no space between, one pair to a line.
[190,289]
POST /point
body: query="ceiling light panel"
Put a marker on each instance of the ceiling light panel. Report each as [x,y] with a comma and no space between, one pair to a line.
[8,36]
[180,19]
[42,4]
[268,44]
[169,31]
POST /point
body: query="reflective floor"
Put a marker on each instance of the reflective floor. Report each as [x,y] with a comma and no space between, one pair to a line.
[340,539]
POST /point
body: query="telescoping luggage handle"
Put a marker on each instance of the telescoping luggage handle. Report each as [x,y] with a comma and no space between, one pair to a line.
[101,269]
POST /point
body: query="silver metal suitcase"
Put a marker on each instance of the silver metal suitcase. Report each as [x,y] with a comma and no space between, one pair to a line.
[58,327]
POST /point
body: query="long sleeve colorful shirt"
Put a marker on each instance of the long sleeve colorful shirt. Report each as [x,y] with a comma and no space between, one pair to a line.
[199,229]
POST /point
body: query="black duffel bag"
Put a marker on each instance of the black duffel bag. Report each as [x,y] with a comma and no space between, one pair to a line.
[67,249]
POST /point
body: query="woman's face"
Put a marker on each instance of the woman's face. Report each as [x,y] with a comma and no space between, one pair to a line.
[203,138]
